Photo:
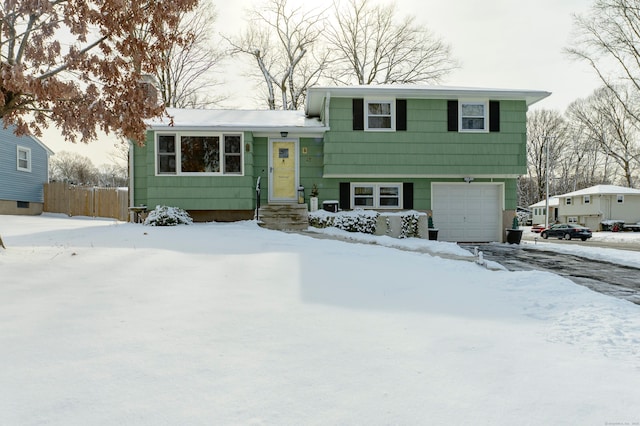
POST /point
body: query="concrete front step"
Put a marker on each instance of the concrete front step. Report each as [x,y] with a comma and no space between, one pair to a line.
[284,217]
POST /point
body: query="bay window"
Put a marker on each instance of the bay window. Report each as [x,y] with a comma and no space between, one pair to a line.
[207,154]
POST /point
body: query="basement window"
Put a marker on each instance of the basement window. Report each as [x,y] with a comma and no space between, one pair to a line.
[376,195]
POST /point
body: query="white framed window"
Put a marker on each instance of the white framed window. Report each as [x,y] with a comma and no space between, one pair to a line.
[376,195]
[586,199]
[23,159]
[474,116]
[199,154]
[380,115]
[572,219]
[568,201]
[620,198]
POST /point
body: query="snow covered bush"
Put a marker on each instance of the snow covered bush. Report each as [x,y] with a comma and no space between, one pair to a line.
[362,221]
[168,216]
[353,221]
[410,225]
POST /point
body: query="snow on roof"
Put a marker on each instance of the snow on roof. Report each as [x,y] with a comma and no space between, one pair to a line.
[316,95]
[553,202]
[255,120]
[603,190]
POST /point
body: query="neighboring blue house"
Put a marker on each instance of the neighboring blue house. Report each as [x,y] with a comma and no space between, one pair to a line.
[24,169]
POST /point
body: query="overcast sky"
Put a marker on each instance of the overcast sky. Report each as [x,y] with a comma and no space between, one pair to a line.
[512,44]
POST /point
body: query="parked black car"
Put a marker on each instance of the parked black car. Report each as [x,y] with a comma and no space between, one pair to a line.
[567,231]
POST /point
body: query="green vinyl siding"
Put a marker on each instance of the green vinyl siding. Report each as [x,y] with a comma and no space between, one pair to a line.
[426,147]
[193,192]
[310,164]
[329,189]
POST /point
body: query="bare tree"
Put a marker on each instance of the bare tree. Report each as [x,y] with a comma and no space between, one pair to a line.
[73,168]
[546,135]
[284,44]
[608,39]
[612,129]
[79,63]
[583,164]
[186,74]
[111,175]
[371,46]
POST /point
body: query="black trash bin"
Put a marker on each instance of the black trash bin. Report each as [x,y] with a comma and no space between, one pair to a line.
[330,206]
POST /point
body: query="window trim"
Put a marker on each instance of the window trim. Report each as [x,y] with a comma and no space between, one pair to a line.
[620,198]
[485,117]
[392,115]
[178,153]
[568,201]
[27,151]
[376,195]
[586,199]
[572,219]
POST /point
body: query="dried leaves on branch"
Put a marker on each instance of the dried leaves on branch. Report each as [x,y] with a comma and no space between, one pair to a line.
[80,63]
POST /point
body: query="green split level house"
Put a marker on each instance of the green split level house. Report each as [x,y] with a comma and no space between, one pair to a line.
[452,152]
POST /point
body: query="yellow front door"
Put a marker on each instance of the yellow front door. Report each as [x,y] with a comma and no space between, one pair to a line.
[283,167]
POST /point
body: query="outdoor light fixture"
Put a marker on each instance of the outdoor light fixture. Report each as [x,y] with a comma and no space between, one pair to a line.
[284,134]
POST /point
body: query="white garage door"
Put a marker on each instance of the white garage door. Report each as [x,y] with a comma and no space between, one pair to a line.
[467,212]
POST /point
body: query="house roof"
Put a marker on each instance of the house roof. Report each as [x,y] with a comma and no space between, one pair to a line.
[316,95]
[252,120]
[553,202]
[9,131]
[603,190]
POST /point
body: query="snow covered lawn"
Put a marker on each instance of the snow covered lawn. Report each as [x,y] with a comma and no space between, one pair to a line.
[105,323]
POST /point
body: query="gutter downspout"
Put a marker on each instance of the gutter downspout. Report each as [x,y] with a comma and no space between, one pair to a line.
[327,102]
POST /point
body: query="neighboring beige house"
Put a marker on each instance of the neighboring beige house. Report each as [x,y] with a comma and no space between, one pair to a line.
[591,206]
[538,211]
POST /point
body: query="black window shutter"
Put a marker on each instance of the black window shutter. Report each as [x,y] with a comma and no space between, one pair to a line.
[494,116]
[407,195]
[345,195]
[452,116]
[401,114]
[358,114]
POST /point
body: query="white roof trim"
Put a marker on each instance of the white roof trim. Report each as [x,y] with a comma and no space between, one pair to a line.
[603,190]
[267,121]
[413,91]
[553,202]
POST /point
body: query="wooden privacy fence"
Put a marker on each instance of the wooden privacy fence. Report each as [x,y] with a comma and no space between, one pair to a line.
[60,197]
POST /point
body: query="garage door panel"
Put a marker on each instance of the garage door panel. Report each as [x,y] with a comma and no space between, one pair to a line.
[467,212]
